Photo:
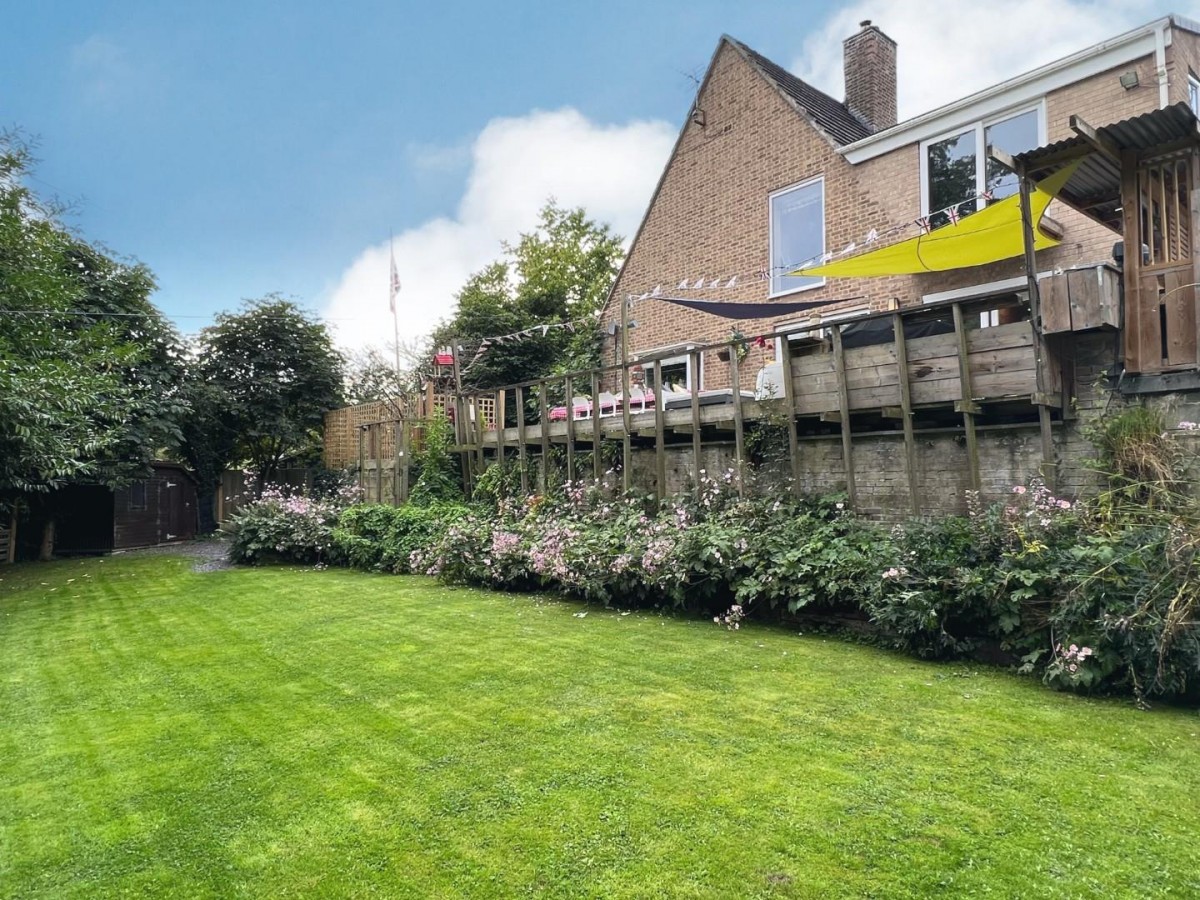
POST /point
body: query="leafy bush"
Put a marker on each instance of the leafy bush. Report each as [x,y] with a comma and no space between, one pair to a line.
[282,527]
[437,475]
[385,537]
[1095,595]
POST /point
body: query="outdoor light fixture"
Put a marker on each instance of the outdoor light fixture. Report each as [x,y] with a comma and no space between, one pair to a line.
[1129,80]
[698,117]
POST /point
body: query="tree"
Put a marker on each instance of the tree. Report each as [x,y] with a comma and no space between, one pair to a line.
[371,375]
[270,373]
[560,272]
[89,369]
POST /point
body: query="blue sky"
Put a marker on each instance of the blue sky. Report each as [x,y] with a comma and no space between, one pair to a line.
[244,148]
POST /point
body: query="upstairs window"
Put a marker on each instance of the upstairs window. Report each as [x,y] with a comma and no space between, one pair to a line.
[1194,94]
[955,170]
[797,217]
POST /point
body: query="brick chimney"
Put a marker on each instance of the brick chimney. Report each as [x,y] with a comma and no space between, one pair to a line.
[869,59]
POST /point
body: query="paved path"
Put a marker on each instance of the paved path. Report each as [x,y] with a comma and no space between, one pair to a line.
[211,554]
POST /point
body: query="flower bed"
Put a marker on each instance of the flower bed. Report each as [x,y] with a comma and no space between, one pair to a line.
[1097,595]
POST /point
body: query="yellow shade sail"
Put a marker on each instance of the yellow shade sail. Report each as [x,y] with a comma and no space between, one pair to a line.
[991,234]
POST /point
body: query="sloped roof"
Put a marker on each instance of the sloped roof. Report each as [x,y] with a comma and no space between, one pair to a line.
[1095,186]
[831,116]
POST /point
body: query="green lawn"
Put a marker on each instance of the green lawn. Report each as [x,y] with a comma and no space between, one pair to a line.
[282,732]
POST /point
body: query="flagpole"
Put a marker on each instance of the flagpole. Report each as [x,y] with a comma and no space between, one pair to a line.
[394,290]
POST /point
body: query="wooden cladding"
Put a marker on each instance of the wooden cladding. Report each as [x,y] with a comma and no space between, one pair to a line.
[1081,300]
[1161,216]
[1000,364]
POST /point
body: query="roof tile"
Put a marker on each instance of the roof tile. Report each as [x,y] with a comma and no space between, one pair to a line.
[833,116]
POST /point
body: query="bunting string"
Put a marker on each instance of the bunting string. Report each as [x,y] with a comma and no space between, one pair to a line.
[517,337]
[952,214]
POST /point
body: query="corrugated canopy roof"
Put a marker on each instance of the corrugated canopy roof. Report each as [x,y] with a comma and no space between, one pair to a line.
[1095,187]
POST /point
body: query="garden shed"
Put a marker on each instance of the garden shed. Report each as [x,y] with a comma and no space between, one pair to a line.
[156,510]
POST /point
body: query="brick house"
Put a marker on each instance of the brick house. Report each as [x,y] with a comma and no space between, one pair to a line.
[768,171]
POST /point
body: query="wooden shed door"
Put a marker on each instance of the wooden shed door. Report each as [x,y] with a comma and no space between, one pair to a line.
[178,511]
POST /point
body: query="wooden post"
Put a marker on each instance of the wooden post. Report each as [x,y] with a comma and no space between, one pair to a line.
[544,427]
[570,404]
[739,426]
[480,429]
[461,425]
[1039,342]
[1193,169]
[660,450]
[11,555]
[627,443]
[910,444]
[967,404]
[396,463]
[501,415]
[697,437]
[520,398]
[362,470]
[789,398]
[839,365]
[377,452]
[596,435]
[405,445]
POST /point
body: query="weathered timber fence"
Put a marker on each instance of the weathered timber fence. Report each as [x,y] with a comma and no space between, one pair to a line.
[376,440]
[343,427]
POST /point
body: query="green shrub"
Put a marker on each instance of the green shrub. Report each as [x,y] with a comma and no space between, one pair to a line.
[280,527]
[437,474]
[385,537]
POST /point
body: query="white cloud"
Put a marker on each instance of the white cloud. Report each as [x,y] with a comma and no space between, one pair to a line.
[516,165]
[103,68]
[948,50]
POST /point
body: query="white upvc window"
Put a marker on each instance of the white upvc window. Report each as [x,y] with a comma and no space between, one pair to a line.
[796,217]
[955,169]
[1194,94]
[676,370]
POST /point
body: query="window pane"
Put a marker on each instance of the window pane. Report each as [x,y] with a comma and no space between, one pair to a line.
[797,234]
[952,176]
[1015,135]
[675,375]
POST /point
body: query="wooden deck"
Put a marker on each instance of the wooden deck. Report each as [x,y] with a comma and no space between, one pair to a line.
[953,361]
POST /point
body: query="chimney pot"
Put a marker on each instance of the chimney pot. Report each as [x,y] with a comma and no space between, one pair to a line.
[869,62]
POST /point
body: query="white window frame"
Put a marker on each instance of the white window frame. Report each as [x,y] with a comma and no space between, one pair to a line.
[647,358]
[1193,85]
[974,291]
[820,283]
[980,128]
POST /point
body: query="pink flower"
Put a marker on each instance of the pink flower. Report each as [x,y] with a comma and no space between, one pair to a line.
[1019,489]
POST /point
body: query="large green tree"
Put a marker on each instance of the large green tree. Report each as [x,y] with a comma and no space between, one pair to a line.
[266,376]
[89,369]
[558,273]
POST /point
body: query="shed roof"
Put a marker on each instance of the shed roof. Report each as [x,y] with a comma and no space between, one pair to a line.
[1095,187]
